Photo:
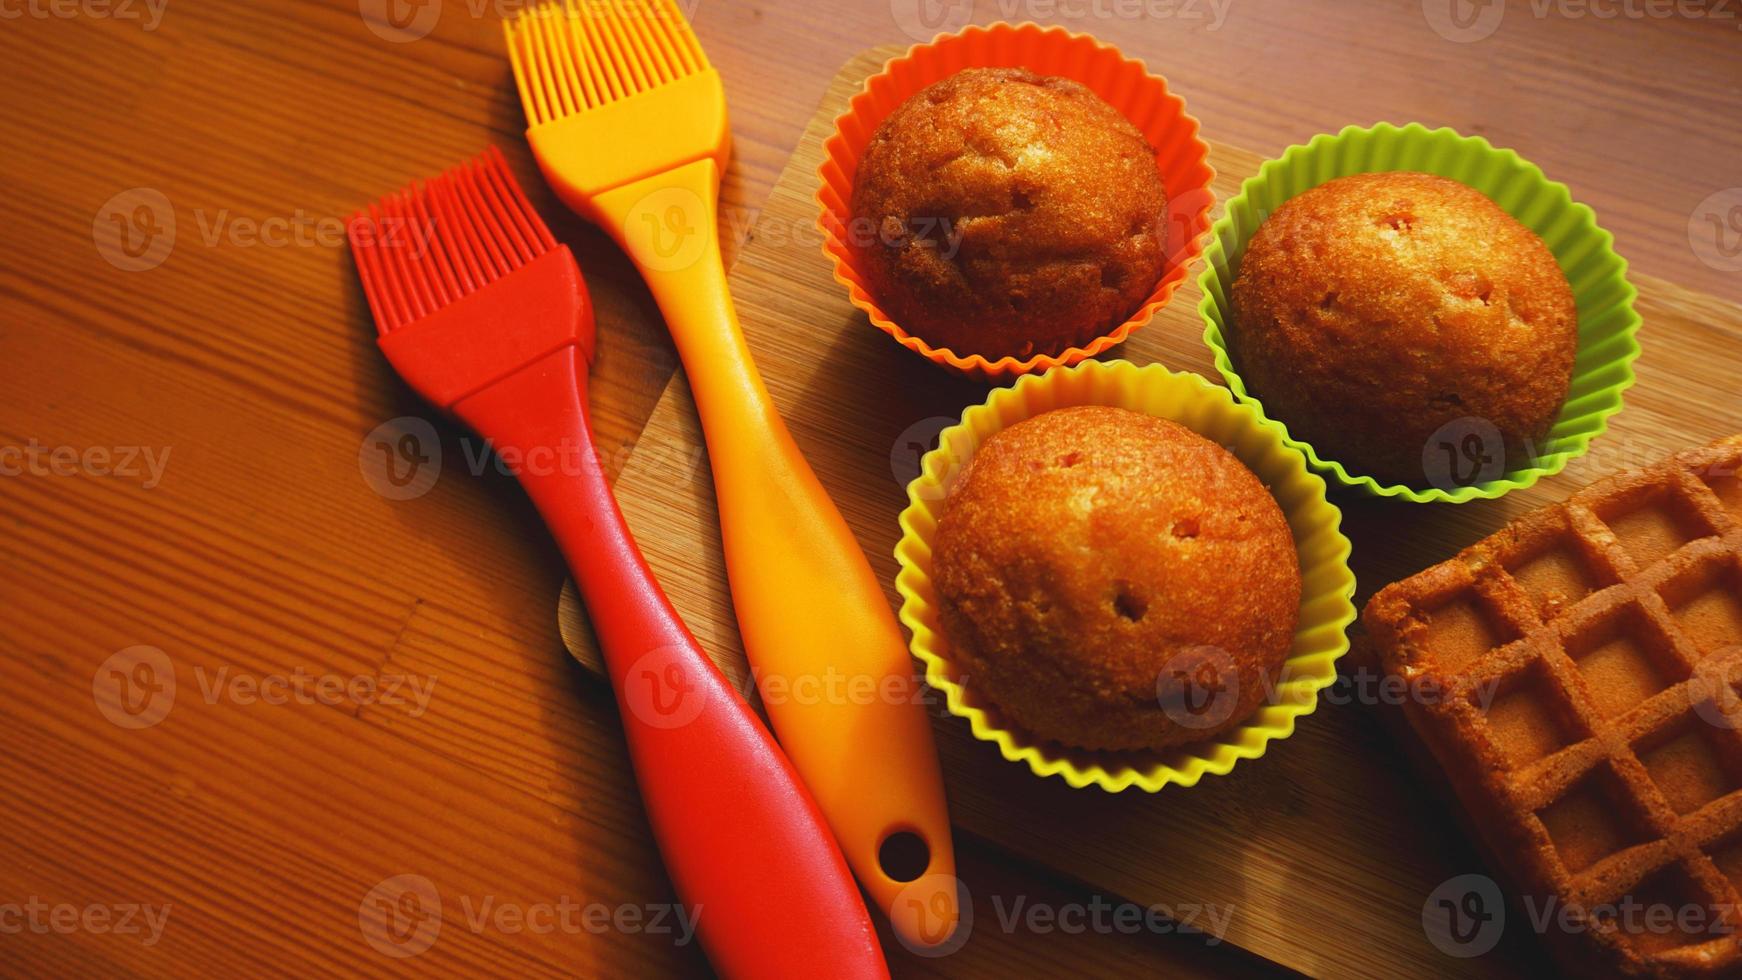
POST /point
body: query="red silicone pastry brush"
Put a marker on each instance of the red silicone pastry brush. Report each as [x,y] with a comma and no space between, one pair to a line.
[487,317]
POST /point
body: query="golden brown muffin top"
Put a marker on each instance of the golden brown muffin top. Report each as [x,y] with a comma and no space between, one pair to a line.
[1007,212]
[1374,309]
[1084,549]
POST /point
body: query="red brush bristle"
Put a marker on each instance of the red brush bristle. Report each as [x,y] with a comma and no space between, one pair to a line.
[430,244]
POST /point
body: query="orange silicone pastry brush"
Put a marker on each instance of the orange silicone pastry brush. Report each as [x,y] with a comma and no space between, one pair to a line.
[628,121]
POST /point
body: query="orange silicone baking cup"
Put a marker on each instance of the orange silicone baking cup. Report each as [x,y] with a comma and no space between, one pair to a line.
[1123,82]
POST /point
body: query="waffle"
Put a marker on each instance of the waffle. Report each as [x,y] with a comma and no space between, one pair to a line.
[1575,678]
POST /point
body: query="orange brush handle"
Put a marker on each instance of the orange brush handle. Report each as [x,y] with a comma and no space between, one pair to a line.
[833,669]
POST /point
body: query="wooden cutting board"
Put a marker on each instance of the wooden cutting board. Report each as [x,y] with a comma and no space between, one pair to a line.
[1326,848]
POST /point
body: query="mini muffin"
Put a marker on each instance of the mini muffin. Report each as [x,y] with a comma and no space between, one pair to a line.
[1373,310]
[1112,580]
[1000,212]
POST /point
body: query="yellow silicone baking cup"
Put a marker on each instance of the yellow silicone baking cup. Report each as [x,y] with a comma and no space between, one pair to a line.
[1125,83]
[1328,586]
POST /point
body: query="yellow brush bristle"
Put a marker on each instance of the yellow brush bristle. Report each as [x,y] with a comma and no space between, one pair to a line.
[577,55]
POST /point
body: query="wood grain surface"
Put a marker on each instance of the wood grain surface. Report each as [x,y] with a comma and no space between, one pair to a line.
[256,550]
[1334,812]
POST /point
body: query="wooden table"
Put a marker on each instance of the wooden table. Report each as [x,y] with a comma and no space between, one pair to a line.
[371,688]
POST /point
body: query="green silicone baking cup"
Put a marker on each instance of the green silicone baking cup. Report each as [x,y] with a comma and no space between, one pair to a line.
[1603,368]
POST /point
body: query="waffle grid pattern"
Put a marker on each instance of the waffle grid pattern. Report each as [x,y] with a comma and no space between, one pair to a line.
[1604,728]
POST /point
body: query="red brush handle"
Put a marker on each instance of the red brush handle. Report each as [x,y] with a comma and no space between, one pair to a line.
[740,835]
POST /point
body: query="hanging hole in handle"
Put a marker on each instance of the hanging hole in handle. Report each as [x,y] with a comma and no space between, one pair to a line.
[903,856]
